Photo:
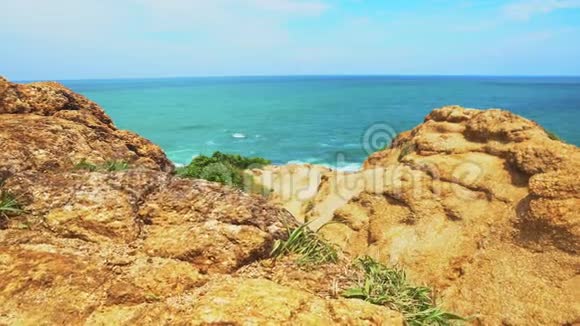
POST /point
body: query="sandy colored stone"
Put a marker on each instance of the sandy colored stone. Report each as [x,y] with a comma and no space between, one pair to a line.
[53,280]
[267,303]
[481,205]
[211,226]
[45,126]
[240,301]
[94,206]
[291,185]
[215,229]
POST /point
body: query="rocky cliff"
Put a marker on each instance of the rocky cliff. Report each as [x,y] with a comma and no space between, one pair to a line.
[46,126]
[135,245]
[483,205]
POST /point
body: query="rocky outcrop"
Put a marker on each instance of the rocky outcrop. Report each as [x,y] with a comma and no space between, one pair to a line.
[54,280]
[234,301]
[481,205]
[47,127]
[138,246]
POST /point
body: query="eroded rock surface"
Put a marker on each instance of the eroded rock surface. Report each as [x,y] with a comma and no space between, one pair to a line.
[47,127]
[481,205]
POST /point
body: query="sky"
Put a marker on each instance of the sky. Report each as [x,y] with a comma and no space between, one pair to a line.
[73,39]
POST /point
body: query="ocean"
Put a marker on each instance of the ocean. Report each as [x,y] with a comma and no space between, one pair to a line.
[331,120]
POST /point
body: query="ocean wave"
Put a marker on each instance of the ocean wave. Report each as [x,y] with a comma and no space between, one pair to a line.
[238,135]
[350,167]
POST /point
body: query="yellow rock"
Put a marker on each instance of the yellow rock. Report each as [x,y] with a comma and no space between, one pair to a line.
[481,205]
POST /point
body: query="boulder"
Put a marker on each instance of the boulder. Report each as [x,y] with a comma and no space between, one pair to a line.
[235,301]
[47,127]
[481,205]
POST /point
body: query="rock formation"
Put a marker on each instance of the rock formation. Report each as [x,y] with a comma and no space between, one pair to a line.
[138,246]
[46,126]
[481,205]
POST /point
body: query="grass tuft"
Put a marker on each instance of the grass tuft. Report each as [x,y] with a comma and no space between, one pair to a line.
[109,166]
[112,166]
[386,286]
[226,169]
[406,149]
[308,245]
[84,165]
[9,206]
[552,135]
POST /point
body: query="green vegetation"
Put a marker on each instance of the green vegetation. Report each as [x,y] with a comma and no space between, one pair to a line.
[308,245]
[386,286]
[112,166]
[226,169]
[406,149]
[109,166]
[378,284]
[309,205]
[151,297]
[9,206]
[552,135]
[84,165]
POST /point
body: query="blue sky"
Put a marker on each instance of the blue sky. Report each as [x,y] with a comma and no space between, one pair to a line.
[72,39]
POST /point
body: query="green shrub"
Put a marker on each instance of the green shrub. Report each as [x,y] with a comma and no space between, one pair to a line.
[9,206]
[308,245]
[226,169]
[386,286]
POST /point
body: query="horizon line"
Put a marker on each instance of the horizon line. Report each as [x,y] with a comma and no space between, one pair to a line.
[299,75]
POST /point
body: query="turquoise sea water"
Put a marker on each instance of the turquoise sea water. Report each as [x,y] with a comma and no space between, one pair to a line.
[312,119]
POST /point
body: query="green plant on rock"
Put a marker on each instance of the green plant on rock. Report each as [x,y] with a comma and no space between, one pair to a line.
[226,169]
[308,245]
[309,205]
[406,149]
[9,205]
[110,166]
[386,286]
[85,165]
[552,135]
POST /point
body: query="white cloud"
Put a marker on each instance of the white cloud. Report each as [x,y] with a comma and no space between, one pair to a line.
[524,10]
[209,9]
[59,18]
[292,6]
